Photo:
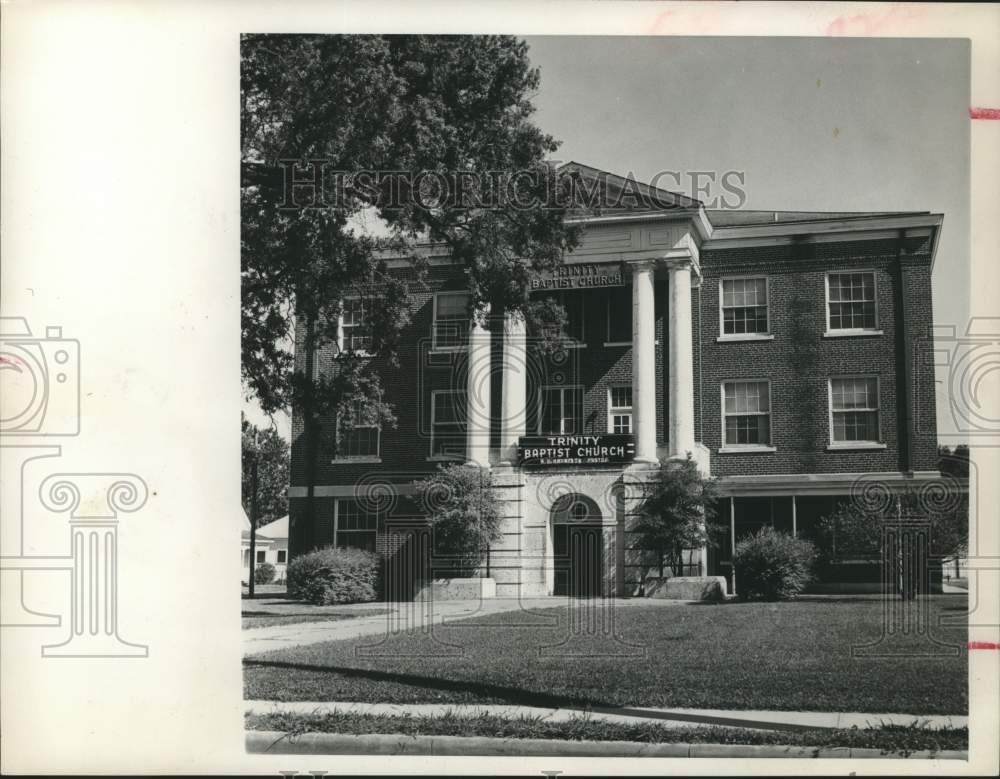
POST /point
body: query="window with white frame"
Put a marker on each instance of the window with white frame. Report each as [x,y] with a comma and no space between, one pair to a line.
[282,556]
[261,556]
[355,527]
[451,320]
[560,410]
[747,413]
[619,301]
[854,409]
[355,327]
[744,306]
[360,438]
[447,424]
[851,301]
[620,409]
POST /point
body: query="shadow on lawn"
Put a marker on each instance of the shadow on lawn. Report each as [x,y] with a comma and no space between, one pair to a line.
[517,696]
[479,689]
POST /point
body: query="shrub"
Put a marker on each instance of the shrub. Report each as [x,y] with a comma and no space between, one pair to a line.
[264,574]
[772,565]
[464,512]
[334,575]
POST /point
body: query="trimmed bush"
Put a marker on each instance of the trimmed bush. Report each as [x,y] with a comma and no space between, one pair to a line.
[772,565]
[334,575]
[264,574]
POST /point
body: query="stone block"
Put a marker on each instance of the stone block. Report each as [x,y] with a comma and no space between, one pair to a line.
[709,588]
[458,589]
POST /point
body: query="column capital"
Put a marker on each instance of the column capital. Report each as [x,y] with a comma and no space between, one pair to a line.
[644,264]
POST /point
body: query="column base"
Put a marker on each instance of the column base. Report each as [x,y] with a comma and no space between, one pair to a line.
[95,646]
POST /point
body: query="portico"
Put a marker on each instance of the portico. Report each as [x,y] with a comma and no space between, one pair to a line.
[644,265]
[538,468]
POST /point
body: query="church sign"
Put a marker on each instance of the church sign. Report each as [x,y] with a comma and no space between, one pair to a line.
[575,449]
[581,276]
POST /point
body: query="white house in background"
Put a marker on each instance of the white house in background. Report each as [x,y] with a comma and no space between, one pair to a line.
[263,544]
[276,551]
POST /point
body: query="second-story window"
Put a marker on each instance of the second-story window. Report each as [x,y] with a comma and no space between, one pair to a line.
[451,320]
[560,410]
[854,410]
[851,302]
[747,413]
[744,306]
[361,440]
[620,409]
[447,424]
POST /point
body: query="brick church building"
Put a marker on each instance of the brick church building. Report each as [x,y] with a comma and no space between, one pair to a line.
[786,352]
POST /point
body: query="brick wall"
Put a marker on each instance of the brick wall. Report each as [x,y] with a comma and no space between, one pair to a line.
[799,360]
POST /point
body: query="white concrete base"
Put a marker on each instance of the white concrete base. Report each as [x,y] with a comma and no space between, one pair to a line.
[473,588]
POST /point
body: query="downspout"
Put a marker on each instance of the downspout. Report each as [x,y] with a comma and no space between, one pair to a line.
[904,367]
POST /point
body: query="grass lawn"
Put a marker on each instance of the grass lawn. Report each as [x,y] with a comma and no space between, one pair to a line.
[893,738]
[784,656]
[262,619]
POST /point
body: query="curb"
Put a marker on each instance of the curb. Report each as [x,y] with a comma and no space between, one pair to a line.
[677,717]
[276,743]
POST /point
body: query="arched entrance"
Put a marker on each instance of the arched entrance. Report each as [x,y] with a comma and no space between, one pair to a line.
[578,546]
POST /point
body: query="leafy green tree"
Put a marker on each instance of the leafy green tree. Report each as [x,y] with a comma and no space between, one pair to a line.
[455,107]
[677,513]
[857,529]
[270,451]
[954,462]
[265,481]
[464,512]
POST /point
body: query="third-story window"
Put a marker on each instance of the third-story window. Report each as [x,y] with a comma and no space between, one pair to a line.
[620,409]
[619,315]
[572,303]
[854,409]
[355,330]
[747,412]
[362,439]
[447,424]
[451,320]
[560,411]
[851,303]
[744,306]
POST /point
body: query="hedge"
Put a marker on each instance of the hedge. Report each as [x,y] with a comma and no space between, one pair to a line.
[772,565]
[334,575]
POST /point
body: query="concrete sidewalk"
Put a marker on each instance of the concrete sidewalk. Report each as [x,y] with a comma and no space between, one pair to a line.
[756,720]
[402,617]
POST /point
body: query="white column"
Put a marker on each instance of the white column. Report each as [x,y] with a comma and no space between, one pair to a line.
[477,405]
[681,363]
[515,377]
[643,363]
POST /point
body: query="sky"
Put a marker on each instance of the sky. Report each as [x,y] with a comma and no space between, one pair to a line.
[814,124]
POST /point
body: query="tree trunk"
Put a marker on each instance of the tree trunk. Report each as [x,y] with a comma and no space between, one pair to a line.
[311,433]
[253,523]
